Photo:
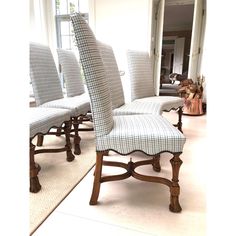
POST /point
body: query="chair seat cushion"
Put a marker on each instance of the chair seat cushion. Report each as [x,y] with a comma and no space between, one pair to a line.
[150,105]
[150,133]
[78,105]
[166,102]
[43,119]
[138,108]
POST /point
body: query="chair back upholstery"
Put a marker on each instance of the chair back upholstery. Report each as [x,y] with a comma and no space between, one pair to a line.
[113,75]
[95,76]
[43,73]
[141,74]
[71,72]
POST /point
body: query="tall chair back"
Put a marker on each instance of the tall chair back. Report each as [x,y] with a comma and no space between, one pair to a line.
[141,74]
[43,73]
[96,79]
[71,72]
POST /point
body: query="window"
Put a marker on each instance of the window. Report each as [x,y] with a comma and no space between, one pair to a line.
[65,34]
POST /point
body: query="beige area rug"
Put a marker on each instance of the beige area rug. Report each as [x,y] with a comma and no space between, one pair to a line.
[59,177]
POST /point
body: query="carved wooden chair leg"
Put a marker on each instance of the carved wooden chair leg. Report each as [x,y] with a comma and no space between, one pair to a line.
[76,137]
[175,189]
[179,124]
[69,154]
[40,140]
[34,169]
[97,179]
[156,163]
[58,132]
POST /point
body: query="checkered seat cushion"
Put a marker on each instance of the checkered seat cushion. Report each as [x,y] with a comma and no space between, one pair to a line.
[71,72]
[150,134]
[46,84]
[123,134]
[43,119]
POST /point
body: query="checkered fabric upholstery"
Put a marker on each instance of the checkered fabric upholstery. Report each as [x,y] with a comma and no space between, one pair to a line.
[166,103]
[71,72]
[113,75]
[43,72]
[43,119]
[95,76]
[148,133]
[78,105]
[138,108]
[141,74]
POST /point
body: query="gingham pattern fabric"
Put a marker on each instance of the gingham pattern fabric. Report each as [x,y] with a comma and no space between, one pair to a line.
[43,73]
[95,76]
[148,133]
[166,103]
[141,74]
[71,72]
[43,119]
[113,75]
[78,105]
[138,108]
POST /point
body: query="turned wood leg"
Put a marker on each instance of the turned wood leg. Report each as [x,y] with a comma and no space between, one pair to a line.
[58,131]
[179,124]
[76,137]
[69,154]
[156,163]
[97,179]
[175,189]
[40,140]
[34,169]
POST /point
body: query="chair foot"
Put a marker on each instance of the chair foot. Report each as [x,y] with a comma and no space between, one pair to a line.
[34,181]
[174,205]
[156,163]
[34,185]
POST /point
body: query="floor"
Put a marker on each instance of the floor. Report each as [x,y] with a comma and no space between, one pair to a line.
[140,209]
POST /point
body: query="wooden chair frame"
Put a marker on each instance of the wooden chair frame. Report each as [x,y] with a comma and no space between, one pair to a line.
[130,171]
[35,168]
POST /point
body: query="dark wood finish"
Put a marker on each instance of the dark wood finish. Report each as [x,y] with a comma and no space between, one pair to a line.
[156,163]
[35,168]
[75,122]
[40,140]
[180,113]
[130,171]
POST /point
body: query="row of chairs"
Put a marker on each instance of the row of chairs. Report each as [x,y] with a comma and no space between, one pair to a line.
[119,126]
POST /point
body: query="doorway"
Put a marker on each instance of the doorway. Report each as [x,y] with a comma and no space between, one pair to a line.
[176,39]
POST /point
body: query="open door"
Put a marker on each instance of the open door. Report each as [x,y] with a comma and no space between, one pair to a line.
[158,32]
[195,50]
[178,55]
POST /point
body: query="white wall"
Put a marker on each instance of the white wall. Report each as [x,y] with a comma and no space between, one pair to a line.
[123,24]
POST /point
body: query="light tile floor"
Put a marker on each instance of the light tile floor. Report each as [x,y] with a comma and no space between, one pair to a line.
[134,208]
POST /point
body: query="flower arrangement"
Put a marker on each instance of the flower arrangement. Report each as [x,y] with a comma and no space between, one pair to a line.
[192,94]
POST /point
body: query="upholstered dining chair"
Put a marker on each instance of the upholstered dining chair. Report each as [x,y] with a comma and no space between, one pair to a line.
[48,91]
[42,120]
[71,71]
[142,89]
[139,89]
[150,134]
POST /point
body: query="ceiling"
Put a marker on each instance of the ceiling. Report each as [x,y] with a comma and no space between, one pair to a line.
[178,17]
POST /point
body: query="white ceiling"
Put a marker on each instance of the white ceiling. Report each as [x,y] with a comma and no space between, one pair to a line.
[178,17]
